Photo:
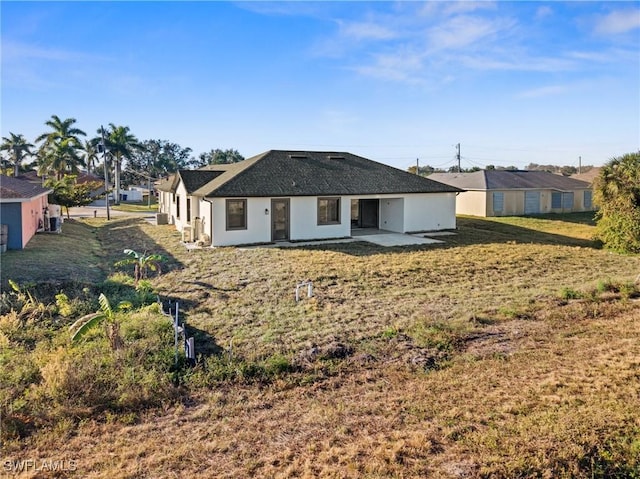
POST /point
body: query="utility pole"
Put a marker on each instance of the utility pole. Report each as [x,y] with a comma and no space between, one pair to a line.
[106,175]
[579,165]
[417,166]
[458,157]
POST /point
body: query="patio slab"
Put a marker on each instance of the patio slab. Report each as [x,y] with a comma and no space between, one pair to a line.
[397,239]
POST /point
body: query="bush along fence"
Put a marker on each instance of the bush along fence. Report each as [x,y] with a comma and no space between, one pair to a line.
[171,309]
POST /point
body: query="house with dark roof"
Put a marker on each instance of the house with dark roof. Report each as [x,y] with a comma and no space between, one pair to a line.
[514,193]
[302,195]
[23,207]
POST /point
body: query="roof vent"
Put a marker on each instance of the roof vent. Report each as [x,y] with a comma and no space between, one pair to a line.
[335,157]
[297,155]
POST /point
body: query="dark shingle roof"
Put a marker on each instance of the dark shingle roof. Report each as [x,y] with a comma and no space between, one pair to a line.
[509,180]
[192,179]
[315,173]
[16,188]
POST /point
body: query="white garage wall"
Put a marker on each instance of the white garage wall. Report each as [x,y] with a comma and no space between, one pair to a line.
[429,212]
[391,214]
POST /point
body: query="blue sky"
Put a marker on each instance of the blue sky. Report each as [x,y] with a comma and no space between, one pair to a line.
[513,83]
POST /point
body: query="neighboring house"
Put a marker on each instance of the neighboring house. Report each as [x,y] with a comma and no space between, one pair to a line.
[589,176]
[90,177]
[302,195]
[22,209]
[513,193]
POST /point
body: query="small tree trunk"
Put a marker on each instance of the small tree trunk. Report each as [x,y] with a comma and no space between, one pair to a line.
[113,332]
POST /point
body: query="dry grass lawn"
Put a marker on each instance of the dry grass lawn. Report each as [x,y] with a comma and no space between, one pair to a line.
[460,360]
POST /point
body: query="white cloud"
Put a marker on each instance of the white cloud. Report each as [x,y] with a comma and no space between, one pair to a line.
[39,68]
[521,62]
[452,8]
[366,31]
[403,66]
[543,12]
[461,31]
[14,51]
[618,21]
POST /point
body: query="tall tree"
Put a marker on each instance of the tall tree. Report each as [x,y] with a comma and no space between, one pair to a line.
[59,159]
[122,145]
[219,157]
[59,152]
[16,146]
[617,195]
[157,158]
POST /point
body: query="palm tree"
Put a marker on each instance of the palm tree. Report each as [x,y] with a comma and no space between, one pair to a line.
[60,158]
[90,155]
[121,144]
[617,195]
[60,147]
[17,146]
[62,129]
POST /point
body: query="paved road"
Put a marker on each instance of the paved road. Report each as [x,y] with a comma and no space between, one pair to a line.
[101,212]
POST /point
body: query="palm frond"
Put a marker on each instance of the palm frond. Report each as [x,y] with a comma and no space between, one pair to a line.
[105,307]
[84,324]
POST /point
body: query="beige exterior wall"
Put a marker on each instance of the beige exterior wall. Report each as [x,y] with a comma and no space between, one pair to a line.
[472,203]
[480,203]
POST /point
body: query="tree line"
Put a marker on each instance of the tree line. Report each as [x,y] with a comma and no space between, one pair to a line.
[66,150]
[565,170]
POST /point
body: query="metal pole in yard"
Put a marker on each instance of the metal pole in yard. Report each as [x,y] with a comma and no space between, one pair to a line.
[175,333]
[106,176]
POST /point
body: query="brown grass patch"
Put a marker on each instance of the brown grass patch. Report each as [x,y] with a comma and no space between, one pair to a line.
[458,361]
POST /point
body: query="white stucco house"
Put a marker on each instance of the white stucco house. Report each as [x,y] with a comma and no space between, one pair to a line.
[302,195]
[514,193]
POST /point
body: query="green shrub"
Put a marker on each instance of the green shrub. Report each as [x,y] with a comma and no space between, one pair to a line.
[218,369]
[617,194]
[567,293]
[55,382]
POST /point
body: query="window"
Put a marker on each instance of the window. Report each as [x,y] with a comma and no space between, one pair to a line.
[567,201]
[588,202]
[236,214]
[188,210]
[328,211]
[498,201]
[562,200]
[177,206]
